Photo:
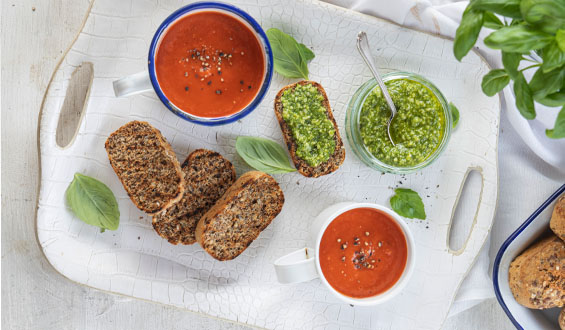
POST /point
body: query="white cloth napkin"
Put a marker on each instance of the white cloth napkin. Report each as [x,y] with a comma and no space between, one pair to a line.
[520,170]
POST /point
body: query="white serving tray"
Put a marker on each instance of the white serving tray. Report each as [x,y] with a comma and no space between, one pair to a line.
[135,261]
[528,232]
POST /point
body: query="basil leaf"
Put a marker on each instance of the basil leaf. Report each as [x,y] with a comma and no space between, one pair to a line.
[491,21]
[516,21]
[454,115]
[467,32]
[545,83]
[548,15]
[558,130]
[408,203]
[93,202]
[560,38]
[553,57]
[518,39]
[511,61]
[289,60]
[306,53]
[524,100]
[263,154]
[508,8]
[494,81]
[556,99]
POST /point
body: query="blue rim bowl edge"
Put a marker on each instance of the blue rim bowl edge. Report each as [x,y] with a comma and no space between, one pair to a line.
[263,40]
[507,243]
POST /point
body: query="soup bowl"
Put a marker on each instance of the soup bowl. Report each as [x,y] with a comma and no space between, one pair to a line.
[149,80]
[308,263]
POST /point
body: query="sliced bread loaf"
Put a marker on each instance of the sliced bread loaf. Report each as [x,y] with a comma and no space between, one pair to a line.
[246,209]
[335,159]
[207,175]
[146,165]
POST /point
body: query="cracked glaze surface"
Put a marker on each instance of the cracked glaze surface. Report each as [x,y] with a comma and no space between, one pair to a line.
[136,262]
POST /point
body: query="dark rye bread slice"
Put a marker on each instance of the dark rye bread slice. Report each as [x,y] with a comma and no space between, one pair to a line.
[207,176]
[146,165]
[246,209]
[537,276]
[335,160]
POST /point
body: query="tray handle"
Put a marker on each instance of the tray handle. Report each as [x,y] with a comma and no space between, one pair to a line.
[473,229]
[74,105]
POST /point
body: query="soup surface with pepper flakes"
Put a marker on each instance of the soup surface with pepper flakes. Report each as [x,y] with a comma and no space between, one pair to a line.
[210,64]
[363,253]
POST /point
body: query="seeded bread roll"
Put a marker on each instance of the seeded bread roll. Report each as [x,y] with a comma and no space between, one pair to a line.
[562,319]
[537,276]
[146,165]
[207,175]
[243,212]
[335,160]
[557,223]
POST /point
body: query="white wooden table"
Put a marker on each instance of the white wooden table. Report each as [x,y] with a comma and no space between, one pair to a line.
[34,296]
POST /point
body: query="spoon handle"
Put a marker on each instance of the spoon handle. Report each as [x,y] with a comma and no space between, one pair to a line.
[365,51]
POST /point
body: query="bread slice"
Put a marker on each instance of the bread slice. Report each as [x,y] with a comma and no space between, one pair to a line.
[246,209]
[146,165]
[557,222]
[207,176]
[537,276]
[335,160]
[562,319]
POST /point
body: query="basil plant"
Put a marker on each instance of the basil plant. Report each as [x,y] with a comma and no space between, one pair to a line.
[521,28]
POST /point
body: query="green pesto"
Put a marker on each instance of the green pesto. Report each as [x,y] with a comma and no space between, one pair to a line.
[312,130]
[417,128]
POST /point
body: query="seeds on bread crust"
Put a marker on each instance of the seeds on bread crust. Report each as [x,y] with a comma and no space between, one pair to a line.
[207,175]
[146,165]
[557,222]
[246,209]
[537,276]
[338,156]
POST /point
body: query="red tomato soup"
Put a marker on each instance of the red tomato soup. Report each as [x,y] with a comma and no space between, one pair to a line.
[363,253]
[210,64]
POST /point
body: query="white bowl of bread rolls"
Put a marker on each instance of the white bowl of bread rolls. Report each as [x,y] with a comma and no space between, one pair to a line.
[529,269]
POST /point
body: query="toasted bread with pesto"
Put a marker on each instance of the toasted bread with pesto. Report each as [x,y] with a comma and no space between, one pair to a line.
[322,154]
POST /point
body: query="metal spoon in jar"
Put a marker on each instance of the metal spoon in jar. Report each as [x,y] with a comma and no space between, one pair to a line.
[365,51]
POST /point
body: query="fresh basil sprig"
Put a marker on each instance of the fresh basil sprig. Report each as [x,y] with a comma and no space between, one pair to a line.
[535,26]
[494,81]
[508,8]
[518,39]
[408,203]
[454,115]
[524,99]
[93,202]
[468,32]
[263,154]
[290,57]
[547,15]
[558,131]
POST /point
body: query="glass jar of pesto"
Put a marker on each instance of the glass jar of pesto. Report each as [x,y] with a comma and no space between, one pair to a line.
[420,130]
